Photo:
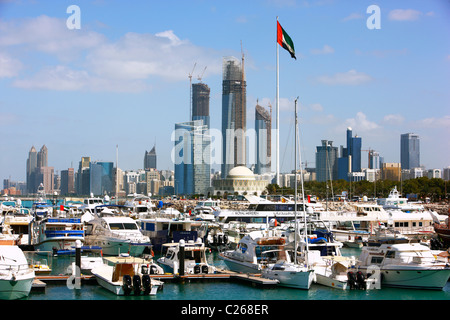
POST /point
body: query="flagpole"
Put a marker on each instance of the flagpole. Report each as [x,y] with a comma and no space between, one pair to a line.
[278,119]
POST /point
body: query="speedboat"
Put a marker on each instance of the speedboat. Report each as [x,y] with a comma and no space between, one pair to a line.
[16,277]
[194,261]
[404,265]
[247,257]
[115,233]
[287,271]
[125,275]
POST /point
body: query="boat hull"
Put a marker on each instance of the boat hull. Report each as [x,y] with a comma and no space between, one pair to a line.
[240,266]
[59,244]
[431,279]
[13,290]
[291,279]
[331,282]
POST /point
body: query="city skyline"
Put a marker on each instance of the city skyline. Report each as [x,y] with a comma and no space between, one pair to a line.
[122,78]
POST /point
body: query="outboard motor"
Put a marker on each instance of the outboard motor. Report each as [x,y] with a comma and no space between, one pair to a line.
[146,283]
[153,269]
[205,269]
[144,269]
[219,239]
[215,239]
[137,284]
[126,284]
[361,281]
[351,280]
[197,269]
[225,239]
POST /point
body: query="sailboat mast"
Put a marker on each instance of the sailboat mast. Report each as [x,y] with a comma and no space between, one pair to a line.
[295,188]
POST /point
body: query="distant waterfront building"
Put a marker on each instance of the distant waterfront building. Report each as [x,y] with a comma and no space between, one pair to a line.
[101,178]
[31,167]
[192,158]
[67,181]
[200,103]
[374,160]
[446,174]
[234,116]
[263,128]
[434,173]
[326,161]
[42,157]
[350,160]
[391,171]
[409,151]
[82,178]
[150,159]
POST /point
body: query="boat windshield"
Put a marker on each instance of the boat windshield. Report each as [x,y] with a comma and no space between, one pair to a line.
[123,226]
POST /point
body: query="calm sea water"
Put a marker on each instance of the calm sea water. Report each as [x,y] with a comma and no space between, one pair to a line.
[230,290]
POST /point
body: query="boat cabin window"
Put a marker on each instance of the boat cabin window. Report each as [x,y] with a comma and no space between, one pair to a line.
[390,254]
[377,260]
[123,226]
[195,255]
[402,224]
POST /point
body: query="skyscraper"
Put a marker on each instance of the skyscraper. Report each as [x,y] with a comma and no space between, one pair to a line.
[409,151]
[350,160]
[200,103]
[263,128]
[326,161]
[233,115]
[31,167]
[192,158]
[150,159]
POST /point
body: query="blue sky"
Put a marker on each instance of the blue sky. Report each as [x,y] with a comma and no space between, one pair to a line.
[122,78]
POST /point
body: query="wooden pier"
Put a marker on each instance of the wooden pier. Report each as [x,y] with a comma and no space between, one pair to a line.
[40,282]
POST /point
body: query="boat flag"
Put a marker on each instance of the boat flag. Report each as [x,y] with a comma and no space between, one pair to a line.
[285,41]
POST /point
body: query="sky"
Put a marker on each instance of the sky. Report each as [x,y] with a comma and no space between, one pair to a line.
[113,77]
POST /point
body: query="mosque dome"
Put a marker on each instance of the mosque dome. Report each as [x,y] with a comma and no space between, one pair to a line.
[241,172]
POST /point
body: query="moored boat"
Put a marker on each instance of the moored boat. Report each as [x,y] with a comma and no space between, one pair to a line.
[16,277]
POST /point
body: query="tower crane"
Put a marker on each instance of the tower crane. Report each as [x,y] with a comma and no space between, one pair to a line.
[201,75]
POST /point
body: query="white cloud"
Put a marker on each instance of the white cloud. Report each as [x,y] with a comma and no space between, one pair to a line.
[353,16]
[404,15]
[360,123]
[443,122]
[351,77]
[86,60]
[394,119]
[9,67]
[325,50]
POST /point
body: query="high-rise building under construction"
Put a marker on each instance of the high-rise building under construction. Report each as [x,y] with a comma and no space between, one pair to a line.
[233,114]
[200,103]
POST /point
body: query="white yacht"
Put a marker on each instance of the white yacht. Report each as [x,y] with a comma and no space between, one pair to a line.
[195,261]
[140,205]
[57,235]
[397,202]
[115,233]
[17,221]
[16,277]
[125,275]
[404,265]
[204,210]
[248,256]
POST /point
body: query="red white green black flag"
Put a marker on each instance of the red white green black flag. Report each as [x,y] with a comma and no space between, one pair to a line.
[285,41]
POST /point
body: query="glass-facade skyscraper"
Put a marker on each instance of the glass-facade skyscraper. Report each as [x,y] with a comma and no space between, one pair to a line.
[263,127]
[326,161]
[192,158]
[350,160]
[409,151]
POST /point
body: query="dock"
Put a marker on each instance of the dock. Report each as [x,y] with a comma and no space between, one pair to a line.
[40,282]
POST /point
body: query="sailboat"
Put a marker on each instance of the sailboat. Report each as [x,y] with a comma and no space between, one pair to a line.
[291,273]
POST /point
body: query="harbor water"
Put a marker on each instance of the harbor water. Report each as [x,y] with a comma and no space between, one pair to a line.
[228,289]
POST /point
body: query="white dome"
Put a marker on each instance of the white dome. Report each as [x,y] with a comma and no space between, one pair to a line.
[241,172]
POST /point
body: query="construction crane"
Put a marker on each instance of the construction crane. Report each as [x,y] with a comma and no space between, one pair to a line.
[190,91]
[201,75]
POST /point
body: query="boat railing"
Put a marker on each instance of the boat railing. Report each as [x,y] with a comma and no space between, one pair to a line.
[20,269]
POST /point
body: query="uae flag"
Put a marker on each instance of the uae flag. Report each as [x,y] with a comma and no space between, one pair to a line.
[285,41]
